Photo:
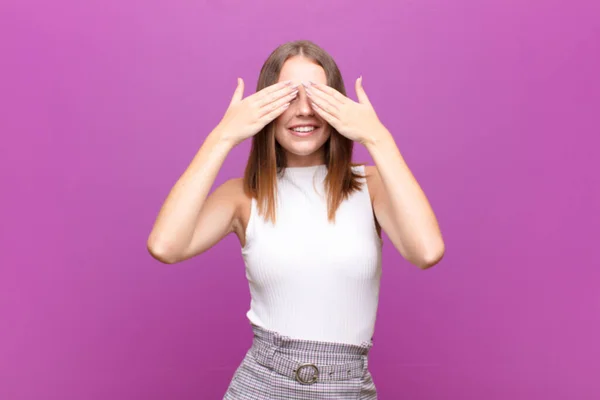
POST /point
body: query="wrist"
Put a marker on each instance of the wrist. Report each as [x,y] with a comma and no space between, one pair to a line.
[376,138]
[221,137]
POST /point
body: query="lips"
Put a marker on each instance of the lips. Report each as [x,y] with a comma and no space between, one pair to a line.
[303,133]
[316,126]
[304,126]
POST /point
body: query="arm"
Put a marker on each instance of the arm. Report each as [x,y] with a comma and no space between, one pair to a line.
[189,223]
[400,206]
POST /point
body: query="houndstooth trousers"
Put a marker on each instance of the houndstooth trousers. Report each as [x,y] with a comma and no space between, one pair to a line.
[277,367]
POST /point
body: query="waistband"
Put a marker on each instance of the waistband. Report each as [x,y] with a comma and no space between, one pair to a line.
[309,361]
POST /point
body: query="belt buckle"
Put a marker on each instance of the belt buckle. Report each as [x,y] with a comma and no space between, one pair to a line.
[313,379]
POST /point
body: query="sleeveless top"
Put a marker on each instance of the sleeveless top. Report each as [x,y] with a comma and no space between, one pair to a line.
[311,279]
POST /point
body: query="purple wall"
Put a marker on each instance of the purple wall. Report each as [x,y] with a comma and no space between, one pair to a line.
[103,103]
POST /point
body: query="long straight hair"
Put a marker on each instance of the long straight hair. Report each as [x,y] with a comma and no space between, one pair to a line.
[267,158]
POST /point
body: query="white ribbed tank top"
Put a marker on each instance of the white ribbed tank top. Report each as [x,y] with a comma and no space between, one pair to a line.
[311,279]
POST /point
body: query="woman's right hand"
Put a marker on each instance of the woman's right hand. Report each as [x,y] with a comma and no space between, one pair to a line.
[245,118]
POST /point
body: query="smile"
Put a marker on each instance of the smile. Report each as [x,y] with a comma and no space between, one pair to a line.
[303,131]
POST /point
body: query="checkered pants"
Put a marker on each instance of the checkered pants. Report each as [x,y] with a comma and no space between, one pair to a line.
[279,367]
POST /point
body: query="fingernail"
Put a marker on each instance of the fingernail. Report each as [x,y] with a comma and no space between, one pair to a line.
[288,82]
[294,93]
[305,84]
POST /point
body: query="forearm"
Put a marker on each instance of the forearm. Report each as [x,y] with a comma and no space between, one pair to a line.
[174,226]
[412,218]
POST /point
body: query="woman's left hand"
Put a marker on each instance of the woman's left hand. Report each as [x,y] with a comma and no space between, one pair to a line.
[356,121]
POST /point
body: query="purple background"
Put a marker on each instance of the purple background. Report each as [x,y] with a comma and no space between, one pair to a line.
[494,105]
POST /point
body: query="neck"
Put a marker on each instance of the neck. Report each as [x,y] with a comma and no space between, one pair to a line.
[296,161]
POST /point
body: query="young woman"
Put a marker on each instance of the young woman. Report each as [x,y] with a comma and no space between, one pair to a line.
[309,224]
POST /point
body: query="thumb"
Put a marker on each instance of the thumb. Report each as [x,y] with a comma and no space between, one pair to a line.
[360,92]
[239,92]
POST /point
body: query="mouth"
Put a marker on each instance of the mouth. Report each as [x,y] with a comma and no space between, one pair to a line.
[304,130]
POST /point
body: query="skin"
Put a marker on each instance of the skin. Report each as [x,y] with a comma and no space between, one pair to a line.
[191,221]
[302,151]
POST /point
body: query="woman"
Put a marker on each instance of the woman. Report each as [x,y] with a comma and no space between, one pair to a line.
[309,223]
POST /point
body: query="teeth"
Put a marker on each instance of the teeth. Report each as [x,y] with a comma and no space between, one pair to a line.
[304,129]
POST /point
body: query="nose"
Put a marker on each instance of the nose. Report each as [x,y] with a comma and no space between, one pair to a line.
[303,107]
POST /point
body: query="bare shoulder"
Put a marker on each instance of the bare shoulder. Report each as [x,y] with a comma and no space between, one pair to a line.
[232,187]
[373,180]
[232,191]
[373,185]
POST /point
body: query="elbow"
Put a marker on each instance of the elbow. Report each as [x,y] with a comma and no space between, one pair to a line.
[162,252]
[432,256]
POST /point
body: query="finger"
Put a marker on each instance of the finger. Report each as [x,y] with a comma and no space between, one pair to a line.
[274,88]
[360,92]
[324,114]
[328,92]
[322,103]
[238,93]
[275,93]
[274,113]
[278,103]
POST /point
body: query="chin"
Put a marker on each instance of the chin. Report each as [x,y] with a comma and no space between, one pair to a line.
[302,150]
